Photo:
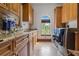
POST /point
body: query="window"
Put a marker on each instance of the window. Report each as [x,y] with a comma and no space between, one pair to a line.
[45,26]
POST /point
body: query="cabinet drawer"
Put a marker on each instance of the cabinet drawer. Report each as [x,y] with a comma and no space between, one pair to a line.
[20,39]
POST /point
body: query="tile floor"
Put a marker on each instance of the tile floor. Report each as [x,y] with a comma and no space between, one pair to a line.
[46,49]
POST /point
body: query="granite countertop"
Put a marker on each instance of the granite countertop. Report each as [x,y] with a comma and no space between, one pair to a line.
[74,30]
[12,36]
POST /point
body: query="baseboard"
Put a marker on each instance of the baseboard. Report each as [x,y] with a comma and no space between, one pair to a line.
[43,40]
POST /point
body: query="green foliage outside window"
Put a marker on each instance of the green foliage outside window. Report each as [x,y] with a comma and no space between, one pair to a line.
[45,29]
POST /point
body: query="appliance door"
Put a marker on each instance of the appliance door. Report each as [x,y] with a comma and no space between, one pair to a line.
[71,40]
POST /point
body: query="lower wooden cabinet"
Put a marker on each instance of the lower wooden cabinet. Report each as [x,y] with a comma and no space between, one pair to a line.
[35,37]
[32,42]
[6,48]
[19,46]
[23,51]
[76,41]
[30,45]
[15,47]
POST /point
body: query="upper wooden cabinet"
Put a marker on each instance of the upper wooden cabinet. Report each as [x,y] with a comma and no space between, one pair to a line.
[73,11]
[65,13]
[69,12]
[16,8]
[58,16]
[25,12]
[28,13]
[13,7]
[13,10]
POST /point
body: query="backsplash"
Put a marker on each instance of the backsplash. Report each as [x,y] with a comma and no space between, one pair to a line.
[72,24]
[25,25]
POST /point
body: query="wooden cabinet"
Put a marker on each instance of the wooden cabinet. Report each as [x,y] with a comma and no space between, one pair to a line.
[28,13]
[21,45]
[69,12]
[23,52]
[6,48]
[73,11]
[76,41]
[15,47]
[12,7]
[20,14]
[16,8]
[65,12]
[25,12]
[30,44]
[58,16]
[4,5]
[32,41]
[13,10]
[34,35]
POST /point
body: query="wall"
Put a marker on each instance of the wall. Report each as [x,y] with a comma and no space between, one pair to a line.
[43,9]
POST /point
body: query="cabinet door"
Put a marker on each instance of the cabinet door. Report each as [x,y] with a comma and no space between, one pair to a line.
[6,48]
[73,11]
[25,12]
[35,37]
[15,8]
[66,13]
[30,44]
[58,16]
[30,14]
[24,51]
[21,47]
[9,6]
[76,41]
[20,14]
[69,12]
[4,5]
